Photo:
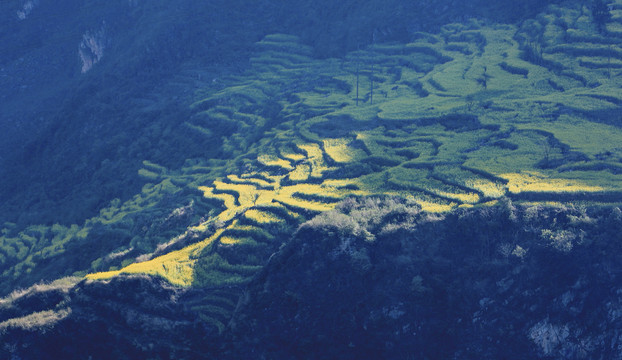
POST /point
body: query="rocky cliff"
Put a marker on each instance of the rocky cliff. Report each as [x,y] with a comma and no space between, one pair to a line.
[234,179]
[380,279]
[375,278]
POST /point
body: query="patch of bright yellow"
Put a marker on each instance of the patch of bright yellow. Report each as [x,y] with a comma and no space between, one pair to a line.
[292,156]
[315,157]
[536,182]
[250,179]
[228,240]
[271,160]
[339,151]
[177,267]
[488,188]
[286,196]
[301,173]
[227,199]
[247,194]
[262,217]
[433,207]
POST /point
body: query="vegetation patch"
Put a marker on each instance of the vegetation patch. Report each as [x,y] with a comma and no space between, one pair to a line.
[456,119]
[536,182]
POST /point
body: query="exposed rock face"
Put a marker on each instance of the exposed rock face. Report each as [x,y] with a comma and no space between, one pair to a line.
[377,278]
[486,283]
[91,48]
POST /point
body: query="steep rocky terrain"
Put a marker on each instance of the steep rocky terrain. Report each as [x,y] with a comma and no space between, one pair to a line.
[493,283]
[381,279]
[496,144]
[374,278]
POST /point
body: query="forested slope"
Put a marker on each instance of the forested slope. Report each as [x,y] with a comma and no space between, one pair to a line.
[206,186]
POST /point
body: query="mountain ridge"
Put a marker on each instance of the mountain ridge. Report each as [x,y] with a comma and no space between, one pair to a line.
[471,121]
[497,281]
[43,94]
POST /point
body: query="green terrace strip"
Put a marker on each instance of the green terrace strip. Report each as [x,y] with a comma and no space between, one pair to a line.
[461,118]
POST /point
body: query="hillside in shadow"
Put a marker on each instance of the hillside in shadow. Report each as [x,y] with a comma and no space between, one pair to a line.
[374,278]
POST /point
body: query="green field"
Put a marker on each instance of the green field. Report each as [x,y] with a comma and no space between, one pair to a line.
[460,118]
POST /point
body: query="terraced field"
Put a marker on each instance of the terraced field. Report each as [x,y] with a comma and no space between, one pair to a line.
[456,119]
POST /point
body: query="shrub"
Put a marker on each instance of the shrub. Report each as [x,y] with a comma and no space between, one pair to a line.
[600,15]
[514,69]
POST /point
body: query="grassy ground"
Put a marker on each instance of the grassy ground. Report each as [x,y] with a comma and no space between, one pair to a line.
[456,119]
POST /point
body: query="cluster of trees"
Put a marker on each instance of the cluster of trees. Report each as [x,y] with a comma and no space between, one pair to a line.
[600,14]
[379,278]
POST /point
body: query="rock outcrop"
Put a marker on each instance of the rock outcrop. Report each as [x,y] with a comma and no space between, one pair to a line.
[390,282]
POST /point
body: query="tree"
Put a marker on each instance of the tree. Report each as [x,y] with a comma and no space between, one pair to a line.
[600,14]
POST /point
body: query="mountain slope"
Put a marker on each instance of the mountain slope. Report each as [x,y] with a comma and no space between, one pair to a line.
[472,115]
[81,80]
[500,282]
[374,278]
[454,119]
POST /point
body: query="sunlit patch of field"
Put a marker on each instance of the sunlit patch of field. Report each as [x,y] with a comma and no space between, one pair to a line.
[488,188]
[262,217]
[458,120]
[434,207]
[537,182]
[249,179]
[340,151]
[315,157]
[271,160]
[177,267]
[300,173]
